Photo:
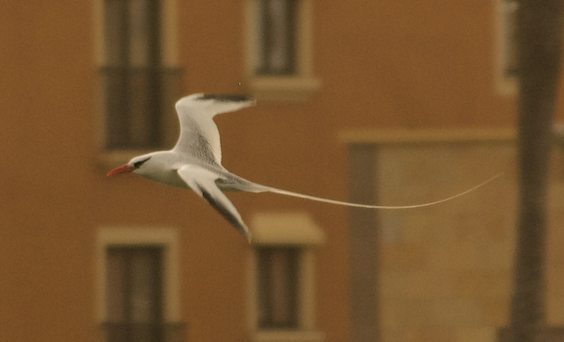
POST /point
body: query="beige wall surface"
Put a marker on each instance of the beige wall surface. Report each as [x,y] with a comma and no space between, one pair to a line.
[446,270]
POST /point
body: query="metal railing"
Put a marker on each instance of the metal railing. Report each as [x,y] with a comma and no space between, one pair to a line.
[134,103]
[547,334]
[143,332]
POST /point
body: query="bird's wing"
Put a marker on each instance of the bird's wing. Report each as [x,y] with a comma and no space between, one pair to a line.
[202,181]
[199,136]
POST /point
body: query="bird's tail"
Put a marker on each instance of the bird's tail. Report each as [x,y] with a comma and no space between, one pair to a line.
[263,188]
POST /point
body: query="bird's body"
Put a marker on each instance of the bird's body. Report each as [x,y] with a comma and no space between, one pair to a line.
[164,168]
[195,161]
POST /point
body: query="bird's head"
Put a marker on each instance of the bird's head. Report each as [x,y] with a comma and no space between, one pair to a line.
[134,166]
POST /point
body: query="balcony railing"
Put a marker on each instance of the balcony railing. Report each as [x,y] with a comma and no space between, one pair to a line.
[136,102]
[546,334]
[143,332]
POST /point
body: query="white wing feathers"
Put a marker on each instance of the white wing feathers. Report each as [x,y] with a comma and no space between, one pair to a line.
[199,136]
[202,181]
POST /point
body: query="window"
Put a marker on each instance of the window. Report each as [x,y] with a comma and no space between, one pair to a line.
[132,74]
[280,49]
[282,278]
[138,79]
[134,293]
[137,285]
[507,66]
[509,47]
[277,276]
[275,37]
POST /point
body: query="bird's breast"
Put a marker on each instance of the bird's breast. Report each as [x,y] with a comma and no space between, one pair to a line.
[170,178]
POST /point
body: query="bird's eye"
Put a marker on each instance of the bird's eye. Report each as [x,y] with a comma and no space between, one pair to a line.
[139,163]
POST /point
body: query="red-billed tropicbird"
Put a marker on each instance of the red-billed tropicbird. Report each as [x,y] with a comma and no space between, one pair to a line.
[195,162]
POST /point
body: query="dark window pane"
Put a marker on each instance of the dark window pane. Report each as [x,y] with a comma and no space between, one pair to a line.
[116,287]
[134,297]
[510,38]
[133,107]
[131,33]
[133,281]
[277,287]
[115,31]
[132,79]
[275,36]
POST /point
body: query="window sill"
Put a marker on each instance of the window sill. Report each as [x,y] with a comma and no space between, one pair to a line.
[293,228]
[507,85]
[272,88]
[287,336]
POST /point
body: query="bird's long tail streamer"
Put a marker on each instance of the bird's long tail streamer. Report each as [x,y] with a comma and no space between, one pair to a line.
[358,205]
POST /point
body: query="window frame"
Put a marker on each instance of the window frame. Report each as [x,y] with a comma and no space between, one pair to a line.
[134,293]
[267,272]
[264,45]
[505,51]
[121,271]
[163,238]
[294,230]
[170,88]
[301,84]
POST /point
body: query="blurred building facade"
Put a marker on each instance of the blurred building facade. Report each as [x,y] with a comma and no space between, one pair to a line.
[392,103]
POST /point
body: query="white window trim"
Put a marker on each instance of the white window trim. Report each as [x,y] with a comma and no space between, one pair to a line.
[166,238]
[297,87]
[169,59]
[295,230]
[505,85]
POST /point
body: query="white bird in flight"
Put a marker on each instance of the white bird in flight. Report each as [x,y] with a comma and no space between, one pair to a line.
[195,161]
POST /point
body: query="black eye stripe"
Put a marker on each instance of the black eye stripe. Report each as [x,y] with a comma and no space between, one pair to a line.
[139,163]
